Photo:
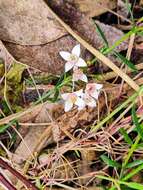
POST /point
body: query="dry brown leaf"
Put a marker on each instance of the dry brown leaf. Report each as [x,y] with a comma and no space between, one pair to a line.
[28,23]
[95,7]
[5,55]
[46,57]
[122,9]
[30,141]
[84,26]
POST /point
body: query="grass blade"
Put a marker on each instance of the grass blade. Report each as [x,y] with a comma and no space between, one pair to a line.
[139,127]
[126,136]
[125,61]
[101,33]
[133,185]
[134,163]
[110,162]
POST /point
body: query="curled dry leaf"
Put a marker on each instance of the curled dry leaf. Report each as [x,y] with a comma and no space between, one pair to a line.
[85,27]
[94,8]
[5,55]
[28,23]
[46,56]
[27,147]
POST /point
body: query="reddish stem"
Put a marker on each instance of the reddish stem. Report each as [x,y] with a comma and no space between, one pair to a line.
[6,183]
[27,183]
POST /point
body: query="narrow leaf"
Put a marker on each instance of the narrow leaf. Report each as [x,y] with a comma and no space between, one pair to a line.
[3,128]
[125,61]
[134,163]
[135,185]
[110,162]
[99,30]
[136,122]
[126,136]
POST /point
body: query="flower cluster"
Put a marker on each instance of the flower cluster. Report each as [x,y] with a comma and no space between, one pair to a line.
[80,98]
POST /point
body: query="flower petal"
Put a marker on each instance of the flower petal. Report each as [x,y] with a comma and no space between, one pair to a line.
[76,50]
[65,96]
[99,86]
[84,78]
[68,105]
[79,92]
[91,103]
[65,55]
[95,94]
[68,66]
[81,63]
[80,103]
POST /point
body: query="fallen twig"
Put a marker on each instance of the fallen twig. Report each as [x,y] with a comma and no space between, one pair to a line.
[27,183]
[6,183]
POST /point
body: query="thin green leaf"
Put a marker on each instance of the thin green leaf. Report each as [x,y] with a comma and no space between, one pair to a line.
[126,136]
[134,163]
[134,185]
[56,95]
[3,128]
[133,172]
[130,151]
[99,30]
[129,7]
[125,61]
[110,162]
[136,122]
[13,138]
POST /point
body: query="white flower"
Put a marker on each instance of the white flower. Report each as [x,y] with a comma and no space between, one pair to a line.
[73,59]
[79,75]
[72,99]
[89,101]
[93,89]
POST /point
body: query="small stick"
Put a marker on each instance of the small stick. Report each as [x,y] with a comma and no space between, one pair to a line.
[27,183]
[6,183]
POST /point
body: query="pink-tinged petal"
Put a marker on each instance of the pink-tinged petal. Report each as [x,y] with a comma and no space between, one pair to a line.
[65,55]
[68,66]
[84,78]
[91,103]
[76,74]
[68,105]
[75,68]
[76,50]
[95,94]
[99,86]
[81,63]
[79,92]
[80,103]
[91,86]
[65,96]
